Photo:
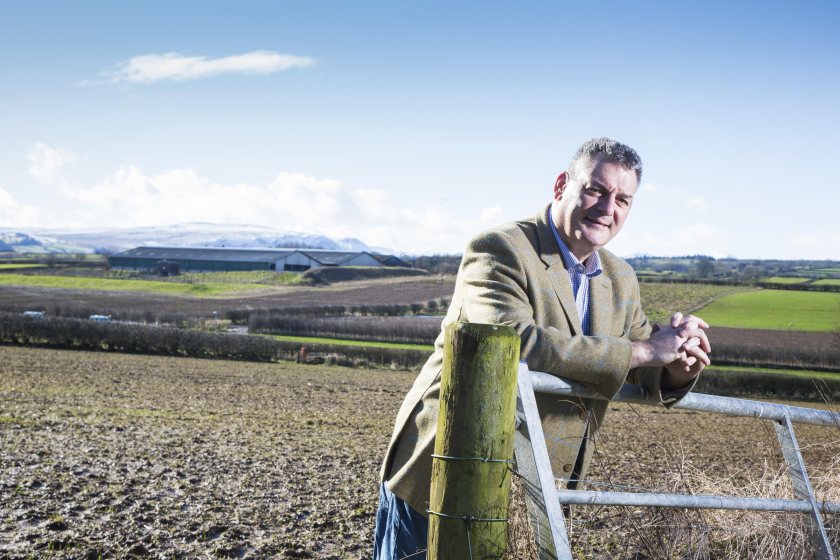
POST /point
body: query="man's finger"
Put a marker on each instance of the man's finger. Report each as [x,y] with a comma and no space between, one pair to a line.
[698,353]
[697,368]
[690,343]
[693,328]
[676,318]
[688,329]
[700,339]
[703,324]
[704,342]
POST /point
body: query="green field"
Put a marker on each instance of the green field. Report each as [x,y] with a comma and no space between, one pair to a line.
[268,277]
[660,300]
[827,282]
[775,310]
[12,266]
[208,289]
[344,342]
[786,280]
[775,371]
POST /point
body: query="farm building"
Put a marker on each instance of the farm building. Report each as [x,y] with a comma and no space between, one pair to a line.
[172,260]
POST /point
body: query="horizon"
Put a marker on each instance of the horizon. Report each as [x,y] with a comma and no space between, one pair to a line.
[416,126]
[369,248]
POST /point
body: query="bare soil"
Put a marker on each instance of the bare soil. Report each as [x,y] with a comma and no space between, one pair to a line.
[117,456]
[121,456]
[770,340]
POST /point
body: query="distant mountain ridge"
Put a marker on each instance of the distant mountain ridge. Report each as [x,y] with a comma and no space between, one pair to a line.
[193,234]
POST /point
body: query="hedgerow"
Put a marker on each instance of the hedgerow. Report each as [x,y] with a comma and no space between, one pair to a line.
[82,334]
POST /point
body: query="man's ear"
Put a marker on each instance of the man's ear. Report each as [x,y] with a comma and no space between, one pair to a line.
[560,185]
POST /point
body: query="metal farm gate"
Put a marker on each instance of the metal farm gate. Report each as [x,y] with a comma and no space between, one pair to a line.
[544,499]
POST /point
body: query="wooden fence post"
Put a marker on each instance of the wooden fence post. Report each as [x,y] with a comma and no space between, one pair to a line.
[472,462]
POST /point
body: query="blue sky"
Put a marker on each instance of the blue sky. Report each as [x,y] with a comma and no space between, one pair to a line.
[414,125]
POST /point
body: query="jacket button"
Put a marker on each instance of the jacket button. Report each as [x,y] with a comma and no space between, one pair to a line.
[567,467]
[584,415]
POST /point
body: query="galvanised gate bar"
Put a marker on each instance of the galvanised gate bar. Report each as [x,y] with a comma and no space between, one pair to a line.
[544,499]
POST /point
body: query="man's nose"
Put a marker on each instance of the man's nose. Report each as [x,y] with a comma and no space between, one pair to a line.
[606,204]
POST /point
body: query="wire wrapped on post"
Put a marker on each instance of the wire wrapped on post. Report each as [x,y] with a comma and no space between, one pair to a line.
[480,459]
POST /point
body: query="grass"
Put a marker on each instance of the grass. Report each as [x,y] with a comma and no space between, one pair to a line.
[660,299]
[775,371]
[210,289]
[775,310]
[828,282]
[786,280]
[12,266]
[345,342]
[268,277]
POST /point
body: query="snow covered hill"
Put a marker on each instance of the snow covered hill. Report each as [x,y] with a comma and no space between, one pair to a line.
[195,234]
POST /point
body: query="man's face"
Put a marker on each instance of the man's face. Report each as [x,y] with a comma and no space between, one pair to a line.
[590,208]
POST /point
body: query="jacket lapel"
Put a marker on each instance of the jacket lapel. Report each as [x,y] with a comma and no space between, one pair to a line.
[600,305]
[556,269]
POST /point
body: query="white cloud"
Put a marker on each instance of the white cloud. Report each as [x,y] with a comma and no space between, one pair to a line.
[291,201]
[46,163]
[150,68]
[14,214]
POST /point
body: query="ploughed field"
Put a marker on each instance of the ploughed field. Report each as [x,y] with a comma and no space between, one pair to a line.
[110,455]
[118,455]
[387,291]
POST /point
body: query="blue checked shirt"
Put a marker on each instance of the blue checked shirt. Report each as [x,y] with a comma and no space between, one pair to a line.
[579,275]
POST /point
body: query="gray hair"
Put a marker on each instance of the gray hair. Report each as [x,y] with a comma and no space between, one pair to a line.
[606,149]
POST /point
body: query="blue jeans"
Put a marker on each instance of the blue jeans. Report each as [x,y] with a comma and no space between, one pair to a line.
[401,532]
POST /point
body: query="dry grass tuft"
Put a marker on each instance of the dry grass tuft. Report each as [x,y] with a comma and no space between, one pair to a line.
[750,534]
[521,545]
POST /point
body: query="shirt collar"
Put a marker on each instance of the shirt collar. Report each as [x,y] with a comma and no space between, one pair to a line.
[592,266]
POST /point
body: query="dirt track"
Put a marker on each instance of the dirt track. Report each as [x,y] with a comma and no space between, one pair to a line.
[118,456]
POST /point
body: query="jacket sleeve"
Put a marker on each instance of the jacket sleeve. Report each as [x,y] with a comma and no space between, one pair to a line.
[651,377]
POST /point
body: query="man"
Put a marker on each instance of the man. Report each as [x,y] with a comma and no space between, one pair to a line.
[576,308]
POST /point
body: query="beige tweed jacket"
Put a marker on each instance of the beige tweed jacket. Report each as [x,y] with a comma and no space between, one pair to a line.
[515,275]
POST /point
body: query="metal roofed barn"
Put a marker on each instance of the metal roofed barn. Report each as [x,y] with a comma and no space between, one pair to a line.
[166,260]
